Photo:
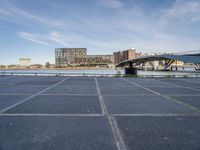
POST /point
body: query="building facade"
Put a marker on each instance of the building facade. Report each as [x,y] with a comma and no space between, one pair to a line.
[128,54]
[24,62]
[70,56]
[78,56]
[124,55]
[117,57]
[100,59]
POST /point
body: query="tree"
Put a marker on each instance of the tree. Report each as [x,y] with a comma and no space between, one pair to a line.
[47,65]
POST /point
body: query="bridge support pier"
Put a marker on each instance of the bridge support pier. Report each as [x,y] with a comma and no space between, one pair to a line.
[131,71]
[168,64]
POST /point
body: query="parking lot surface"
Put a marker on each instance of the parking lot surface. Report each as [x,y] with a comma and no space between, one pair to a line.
[97,113]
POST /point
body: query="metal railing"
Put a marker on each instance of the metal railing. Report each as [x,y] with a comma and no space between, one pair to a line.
[10,73]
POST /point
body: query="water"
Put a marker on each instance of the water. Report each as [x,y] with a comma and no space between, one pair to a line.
[108,72]
[81,72]
[85,71]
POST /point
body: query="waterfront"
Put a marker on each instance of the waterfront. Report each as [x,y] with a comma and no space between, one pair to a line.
[104,72]
[100,75]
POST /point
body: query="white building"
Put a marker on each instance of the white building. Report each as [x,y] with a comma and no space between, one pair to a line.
[24,62]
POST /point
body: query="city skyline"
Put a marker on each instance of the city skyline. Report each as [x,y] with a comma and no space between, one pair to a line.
[35,28]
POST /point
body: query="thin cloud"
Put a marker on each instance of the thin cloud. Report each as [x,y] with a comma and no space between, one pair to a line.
[130,27]
[54,37]
[58,38]
[14,13]
[195,19]
[112,3]
[185,10]
[35,38]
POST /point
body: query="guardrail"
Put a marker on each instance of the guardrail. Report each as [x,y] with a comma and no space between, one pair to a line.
[95,74]
[53,74]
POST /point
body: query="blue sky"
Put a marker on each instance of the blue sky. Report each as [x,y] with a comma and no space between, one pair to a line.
[34,28]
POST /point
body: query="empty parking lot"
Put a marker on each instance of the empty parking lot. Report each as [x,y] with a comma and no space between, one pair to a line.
[96,113]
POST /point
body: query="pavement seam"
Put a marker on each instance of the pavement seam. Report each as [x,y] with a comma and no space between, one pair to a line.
[117,134]
[176,85]
[113,124]
[110,95]
[103,106]
[183,94]
[69,94]
[180,79]
[96,115]
[6,77]
[18,81]
[185,87]
[30,97]
[57,115]
[5,94]
[158,115]
[165,96]
[7,85]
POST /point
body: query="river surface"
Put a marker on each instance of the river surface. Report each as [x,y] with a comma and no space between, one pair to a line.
[189,71]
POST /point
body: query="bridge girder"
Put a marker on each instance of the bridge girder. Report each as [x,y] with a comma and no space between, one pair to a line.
[169,58]
[197,66]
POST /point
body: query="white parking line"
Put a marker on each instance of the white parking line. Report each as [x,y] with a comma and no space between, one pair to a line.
[26,99]
[56,115]
[103,106]
[70,94]
[156,115]
[115,129]
[165,96]
[183,94]
[13,94]
[129,94]
[113,124]
[181,86]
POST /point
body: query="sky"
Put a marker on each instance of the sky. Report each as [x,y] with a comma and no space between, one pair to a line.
[34,28]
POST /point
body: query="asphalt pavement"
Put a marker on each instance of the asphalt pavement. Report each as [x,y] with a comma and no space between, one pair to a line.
[99,113]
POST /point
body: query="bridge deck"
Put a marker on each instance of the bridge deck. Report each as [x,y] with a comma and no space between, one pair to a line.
[88,113]
[193,59]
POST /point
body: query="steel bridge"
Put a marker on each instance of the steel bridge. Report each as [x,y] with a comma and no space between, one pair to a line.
[169,60]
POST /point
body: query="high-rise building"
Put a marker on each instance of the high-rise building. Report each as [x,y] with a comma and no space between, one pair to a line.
[24,62]
[117,57]
[124,55]
[128,54]
[70,56]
